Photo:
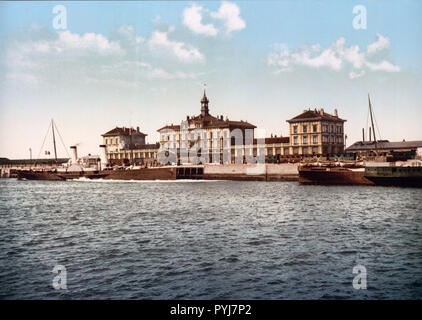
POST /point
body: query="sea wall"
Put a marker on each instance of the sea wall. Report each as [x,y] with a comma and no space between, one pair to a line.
[252,172]
[143,174]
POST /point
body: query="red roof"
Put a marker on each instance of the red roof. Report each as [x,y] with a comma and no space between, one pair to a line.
[123,132]
[274,140]
[315,115]
[209,121]
[172,127]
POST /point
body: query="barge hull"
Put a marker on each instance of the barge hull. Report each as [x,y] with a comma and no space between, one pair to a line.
[333,177]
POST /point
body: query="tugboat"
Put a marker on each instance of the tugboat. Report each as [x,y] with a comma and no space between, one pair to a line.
[74,171]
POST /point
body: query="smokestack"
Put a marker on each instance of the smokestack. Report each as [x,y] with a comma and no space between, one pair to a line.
[137,129]
[74,154]
[335,113]
[370,134]
[363,134]
[103,156]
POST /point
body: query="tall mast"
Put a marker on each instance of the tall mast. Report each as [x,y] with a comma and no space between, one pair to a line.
[54,141]
[372,123]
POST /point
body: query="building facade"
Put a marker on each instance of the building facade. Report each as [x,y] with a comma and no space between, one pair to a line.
[124,146]
[316,133]
[212,139]
[218,140]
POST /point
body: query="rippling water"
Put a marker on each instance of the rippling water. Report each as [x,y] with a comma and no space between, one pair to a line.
[208,240]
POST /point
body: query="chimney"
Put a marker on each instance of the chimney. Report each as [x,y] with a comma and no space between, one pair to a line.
[321,112]
[304,110]
[137,129]
[222,118]
[335,113]
[187,117]
[74,154]
[363,134]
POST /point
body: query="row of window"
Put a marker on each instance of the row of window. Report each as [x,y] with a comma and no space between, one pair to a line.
[137,155]
[194,136]
[305,128]
[329,139]
[111,141]
[325,128]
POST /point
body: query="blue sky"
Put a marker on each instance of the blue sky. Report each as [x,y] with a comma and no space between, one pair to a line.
[144,63]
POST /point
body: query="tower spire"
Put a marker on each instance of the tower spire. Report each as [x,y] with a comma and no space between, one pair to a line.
[204,104]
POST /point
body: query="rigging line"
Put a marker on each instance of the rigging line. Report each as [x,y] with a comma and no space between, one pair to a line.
[42,146]
[367,120]
[61,139]
[376,124]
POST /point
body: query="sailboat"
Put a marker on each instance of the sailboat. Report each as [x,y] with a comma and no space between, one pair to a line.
[74,171]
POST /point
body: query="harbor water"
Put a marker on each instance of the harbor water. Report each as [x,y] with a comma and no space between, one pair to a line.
[208,240]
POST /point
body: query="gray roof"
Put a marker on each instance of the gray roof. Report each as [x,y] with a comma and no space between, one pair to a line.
[384,144]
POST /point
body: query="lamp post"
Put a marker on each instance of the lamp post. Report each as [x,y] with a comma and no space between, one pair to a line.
[345,141]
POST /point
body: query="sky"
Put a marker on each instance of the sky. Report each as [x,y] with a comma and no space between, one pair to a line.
[141,63]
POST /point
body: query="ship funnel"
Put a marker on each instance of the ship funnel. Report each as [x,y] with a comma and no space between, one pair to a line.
[103,156]
[74,154]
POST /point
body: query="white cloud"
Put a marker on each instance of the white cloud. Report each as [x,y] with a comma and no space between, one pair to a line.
[336,57]
[88,42]
[226,19]
[68,57]
[383,66]
[230,14]
[127,32]
[185,53]
[192,18]
[380,44]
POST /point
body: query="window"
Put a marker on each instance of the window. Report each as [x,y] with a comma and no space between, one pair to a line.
[295,140]
[305,128]
[324,139]
[305,140]
[294,129]
[315,139]
[314,128]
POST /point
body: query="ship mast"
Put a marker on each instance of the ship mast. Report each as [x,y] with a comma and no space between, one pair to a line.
[372,124]
[54,141]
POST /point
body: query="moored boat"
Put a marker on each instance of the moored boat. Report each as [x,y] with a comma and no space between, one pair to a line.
[406,175]
[332,175]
